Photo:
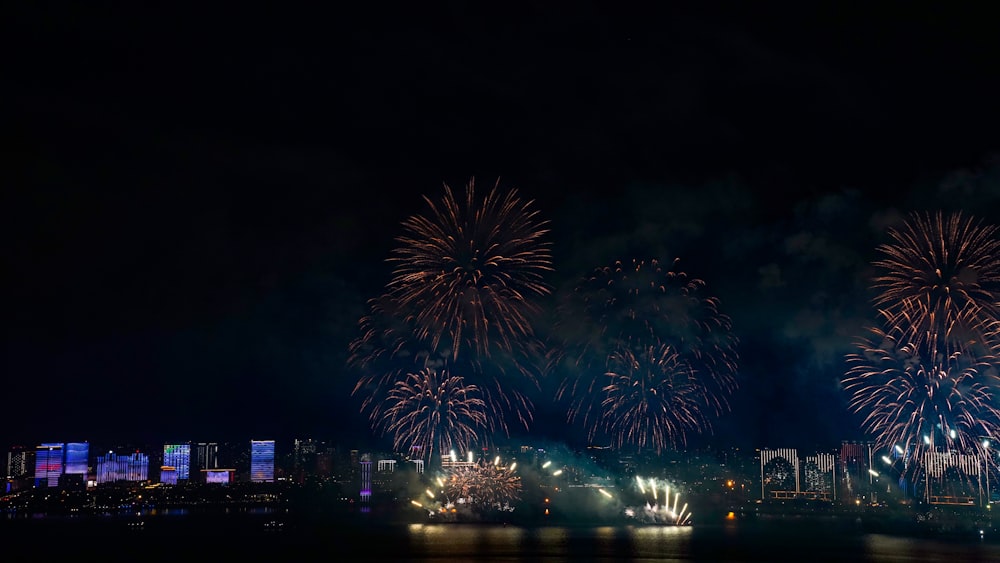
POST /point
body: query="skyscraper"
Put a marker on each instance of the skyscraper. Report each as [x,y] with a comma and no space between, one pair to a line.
[77,458]
[177,456]
[48,464]
[112,467]
[262,461]
[18,462]
[20,468]
[208,455]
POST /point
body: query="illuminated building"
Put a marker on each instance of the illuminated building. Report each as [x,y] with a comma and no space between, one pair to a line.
[113,467]
[452,461]
[208,455]
[48,464]
[951,477]
[76,458]
[309,457]
[168,475]
[20,468]
[856,471]
[19,462]
[366,479]
[262,461]
[819,476]
[177,456]
[218,476]
[779,473]
[304,452]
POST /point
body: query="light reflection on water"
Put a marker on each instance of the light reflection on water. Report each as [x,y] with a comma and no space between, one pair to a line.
[430,542]
[880,547]
[440,542]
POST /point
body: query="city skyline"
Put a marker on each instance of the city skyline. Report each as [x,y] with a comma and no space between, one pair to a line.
[197,231]
[855,472]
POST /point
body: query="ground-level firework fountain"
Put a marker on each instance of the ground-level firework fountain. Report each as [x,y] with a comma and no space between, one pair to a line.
[662,505]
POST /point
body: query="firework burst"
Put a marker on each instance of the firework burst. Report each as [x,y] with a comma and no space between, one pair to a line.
[468,271]
[922,400]
[643,335]
[461,294]
[484,486]
[433,412]
[940,279]
[652,398]
[925,382]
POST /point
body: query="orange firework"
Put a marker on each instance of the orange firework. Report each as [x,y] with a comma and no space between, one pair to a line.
[432,412]
[940,279]
[469,270]
[484,486]
[652,398]
[925,379]
[637,322]
[461,295]
[916,400]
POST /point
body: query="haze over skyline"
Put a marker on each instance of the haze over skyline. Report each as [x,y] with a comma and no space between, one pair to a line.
[201,206]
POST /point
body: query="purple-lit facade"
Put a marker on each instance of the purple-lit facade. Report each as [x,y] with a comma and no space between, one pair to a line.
[366,480]
[168,475]
[177,456]
[218,476]
[48,464]
[113,467]
[262,461]
[76,459]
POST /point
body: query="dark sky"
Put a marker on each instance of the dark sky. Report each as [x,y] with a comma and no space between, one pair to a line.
[198,204]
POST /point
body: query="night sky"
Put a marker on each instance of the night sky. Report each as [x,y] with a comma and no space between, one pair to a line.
[197,205]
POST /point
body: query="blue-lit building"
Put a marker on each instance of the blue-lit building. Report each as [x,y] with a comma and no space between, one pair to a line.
[262,461]
[76,458]
[178,457]
[48,464]
[113,467]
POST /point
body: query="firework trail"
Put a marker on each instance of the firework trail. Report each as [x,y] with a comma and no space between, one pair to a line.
[433,412]
[940,280]
[629,325]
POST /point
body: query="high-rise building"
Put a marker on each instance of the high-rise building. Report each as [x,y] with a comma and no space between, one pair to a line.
[779,473]
[127,467]
[208,455]
[168,475]
[220,476]
[304,453]
[77,458]
[20,468]
[819,475]
[262,461]
[178,457]
[856,476]
[48,464]
[366,479]
[19,462]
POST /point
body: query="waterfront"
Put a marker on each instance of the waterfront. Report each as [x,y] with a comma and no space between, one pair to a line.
[263,536]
